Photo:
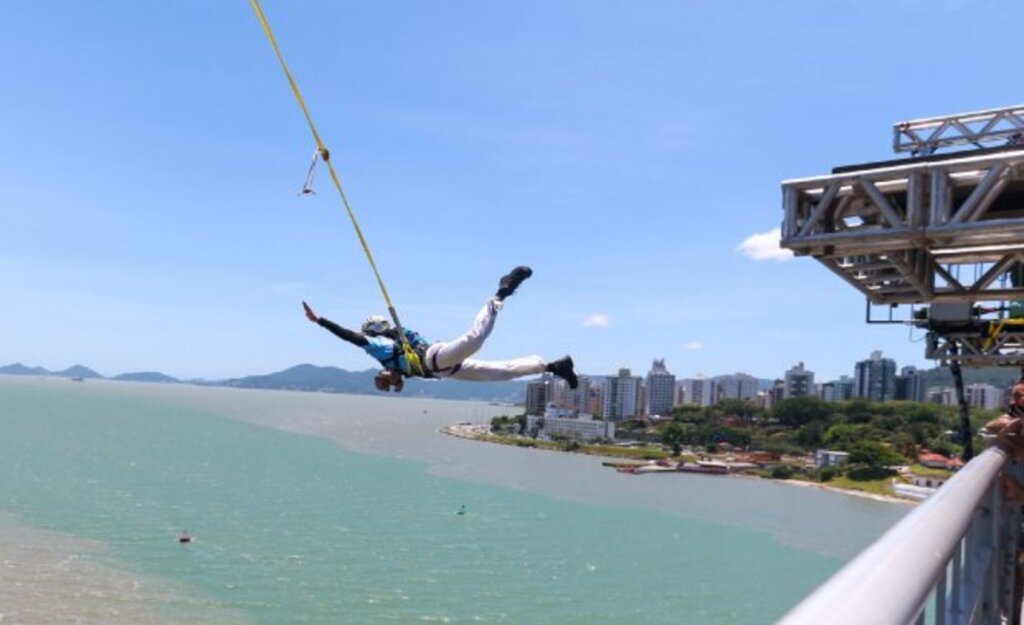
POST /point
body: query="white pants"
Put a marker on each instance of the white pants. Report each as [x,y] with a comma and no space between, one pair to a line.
[445,356]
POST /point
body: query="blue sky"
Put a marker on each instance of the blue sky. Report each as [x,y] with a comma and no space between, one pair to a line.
[150,155]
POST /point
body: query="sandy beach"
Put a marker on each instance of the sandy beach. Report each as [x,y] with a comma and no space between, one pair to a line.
[477,432]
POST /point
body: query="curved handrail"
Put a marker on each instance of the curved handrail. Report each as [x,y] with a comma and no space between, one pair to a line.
[890,580]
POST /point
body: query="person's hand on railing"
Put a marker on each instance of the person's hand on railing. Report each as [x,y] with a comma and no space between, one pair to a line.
[1009,435]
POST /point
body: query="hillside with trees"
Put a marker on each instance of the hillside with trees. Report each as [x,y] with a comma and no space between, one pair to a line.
[803,424]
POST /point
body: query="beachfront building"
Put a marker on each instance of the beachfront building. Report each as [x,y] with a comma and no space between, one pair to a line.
[830,458]
[875,378]
[910,384]
[933,460]
[557,422]
[661,387]
[798,382]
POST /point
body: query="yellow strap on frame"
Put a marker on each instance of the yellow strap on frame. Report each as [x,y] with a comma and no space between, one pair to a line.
[997,328]
[415,366]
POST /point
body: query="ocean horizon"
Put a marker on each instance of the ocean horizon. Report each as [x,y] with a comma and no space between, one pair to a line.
[328,508]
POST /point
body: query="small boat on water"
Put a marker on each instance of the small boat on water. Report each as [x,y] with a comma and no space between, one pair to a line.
[184,538]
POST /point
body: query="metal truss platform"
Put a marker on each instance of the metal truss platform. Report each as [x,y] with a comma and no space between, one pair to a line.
[931,229]
[974,350]
[941,230]
[924,136]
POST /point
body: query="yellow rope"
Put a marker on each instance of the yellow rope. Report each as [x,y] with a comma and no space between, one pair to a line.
[410,355]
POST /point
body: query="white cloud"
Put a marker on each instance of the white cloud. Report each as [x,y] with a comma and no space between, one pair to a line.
[694,346]
[764,246]
[597,320]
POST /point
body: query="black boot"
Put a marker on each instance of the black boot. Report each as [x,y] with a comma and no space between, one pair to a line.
[563,369]
[511,281]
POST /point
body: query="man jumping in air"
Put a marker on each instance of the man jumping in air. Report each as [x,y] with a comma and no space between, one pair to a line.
[449,359]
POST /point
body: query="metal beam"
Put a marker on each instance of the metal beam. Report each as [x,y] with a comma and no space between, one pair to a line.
[906,212]
[964,212]
[1001,124]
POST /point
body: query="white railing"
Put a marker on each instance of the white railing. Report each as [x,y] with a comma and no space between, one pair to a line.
[951,561]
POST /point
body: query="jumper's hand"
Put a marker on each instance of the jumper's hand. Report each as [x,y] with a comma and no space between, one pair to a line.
[309,313]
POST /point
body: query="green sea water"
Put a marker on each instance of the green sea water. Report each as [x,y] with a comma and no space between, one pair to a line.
[292,528]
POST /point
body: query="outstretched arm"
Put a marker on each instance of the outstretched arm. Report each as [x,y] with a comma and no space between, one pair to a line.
[356,338]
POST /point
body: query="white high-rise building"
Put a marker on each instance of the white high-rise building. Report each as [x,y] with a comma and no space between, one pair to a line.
[798,382]
[738,386]
[621,396]
[660,389]
[984,396]
[875,379]
[699,391]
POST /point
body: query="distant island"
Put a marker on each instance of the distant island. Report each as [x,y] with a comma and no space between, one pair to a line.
[306,377]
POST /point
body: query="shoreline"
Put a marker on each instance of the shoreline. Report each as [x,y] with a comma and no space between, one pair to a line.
[481,433]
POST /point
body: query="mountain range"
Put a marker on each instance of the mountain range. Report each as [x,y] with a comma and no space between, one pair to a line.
[334,380]
[309,378]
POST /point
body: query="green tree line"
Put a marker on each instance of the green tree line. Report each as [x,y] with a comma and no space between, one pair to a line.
[872,432]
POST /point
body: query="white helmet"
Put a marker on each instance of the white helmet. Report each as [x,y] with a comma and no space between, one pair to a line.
[375,325]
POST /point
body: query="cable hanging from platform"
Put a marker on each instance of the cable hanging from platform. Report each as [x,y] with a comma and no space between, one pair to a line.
[415,366]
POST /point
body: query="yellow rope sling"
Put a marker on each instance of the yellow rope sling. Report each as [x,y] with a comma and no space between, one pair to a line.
[415,366]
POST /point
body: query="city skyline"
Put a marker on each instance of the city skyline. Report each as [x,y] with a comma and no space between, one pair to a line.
[622,395]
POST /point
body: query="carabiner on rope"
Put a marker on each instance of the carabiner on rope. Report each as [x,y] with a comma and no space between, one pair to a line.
[307,184]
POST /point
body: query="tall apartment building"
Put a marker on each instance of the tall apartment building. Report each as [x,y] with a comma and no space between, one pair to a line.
[910,385]
[699,391]
[798,382]
[984,396]
[578,400]
[621,396]
[945,396]
[661,386]
[539,392]
[775,394]
[737,386]
[679,394]
[875,378]
[595,395]
[838,390]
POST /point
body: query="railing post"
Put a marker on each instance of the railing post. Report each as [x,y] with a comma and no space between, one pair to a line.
[940,598]
[955,593]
